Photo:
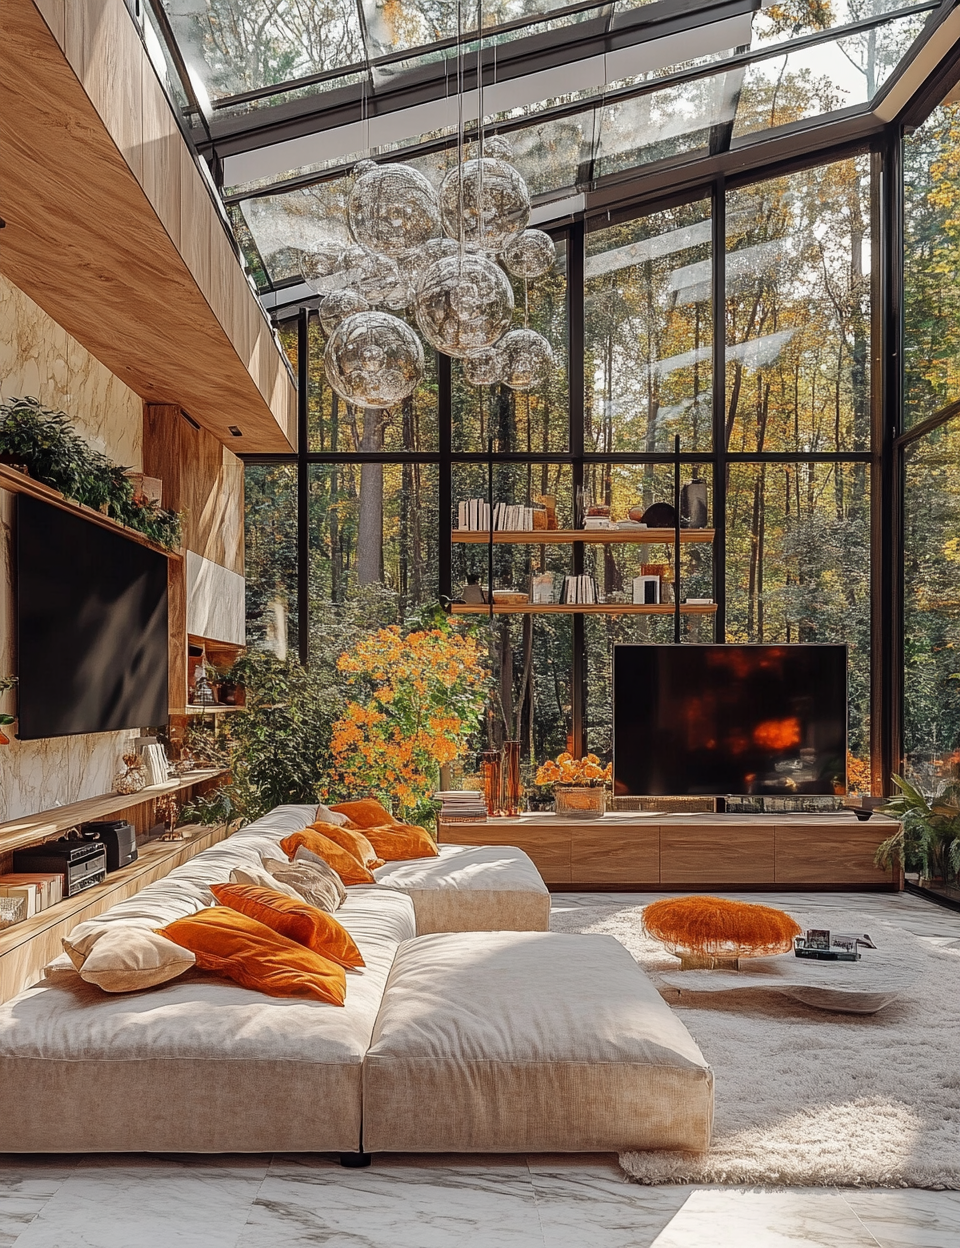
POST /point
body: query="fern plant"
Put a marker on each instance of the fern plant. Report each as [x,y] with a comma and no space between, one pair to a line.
[929,834]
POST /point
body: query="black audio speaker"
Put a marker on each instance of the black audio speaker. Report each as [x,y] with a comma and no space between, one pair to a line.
[119,839]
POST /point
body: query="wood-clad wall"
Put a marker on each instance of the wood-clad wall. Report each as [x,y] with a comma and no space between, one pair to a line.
[113,231]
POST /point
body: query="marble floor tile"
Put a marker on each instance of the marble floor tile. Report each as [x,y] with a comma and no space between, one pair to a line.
[26,1184]
[908,1219]
[402,1203]
[142,1202]
[761,1218]
[585,1202]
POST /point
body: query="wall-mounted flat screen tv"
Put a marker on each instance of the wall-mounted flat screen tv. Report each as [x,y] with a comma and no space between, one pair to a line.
[91,609]
[738,720]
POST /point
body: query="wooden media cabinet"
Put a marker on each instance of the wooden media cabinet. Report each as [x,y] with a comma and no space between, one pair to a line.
[693,852]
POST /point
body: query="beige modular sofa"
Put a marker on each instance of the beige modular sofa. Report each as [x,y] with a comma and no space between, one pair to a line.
[515,1039]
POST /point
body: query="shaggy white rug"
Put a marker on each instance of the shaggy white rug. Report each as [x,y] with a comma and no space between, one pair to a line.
[810,1098]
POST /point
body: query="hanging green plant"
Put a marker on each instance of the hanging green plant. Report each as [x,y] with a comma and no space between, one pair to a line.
[46,444]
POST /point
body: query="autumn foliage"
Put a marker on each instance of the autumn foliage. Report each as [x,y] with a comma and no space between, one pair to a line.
[424,694]
[588,771]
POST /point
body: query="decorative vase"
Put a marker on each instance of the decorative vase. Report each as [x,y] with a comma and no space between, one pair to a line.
[133,778]
[513,794]
[575,802]
[490,770]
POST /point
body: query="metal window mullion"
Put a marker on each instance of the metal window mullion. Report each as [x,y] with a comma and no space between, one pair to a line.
[303,498]
[719,242]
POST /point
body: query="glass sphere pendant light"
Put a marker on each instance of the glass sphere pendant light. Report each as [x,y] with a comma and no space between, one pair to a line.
[463,303]
[393,210]
[373,360]
[485,202]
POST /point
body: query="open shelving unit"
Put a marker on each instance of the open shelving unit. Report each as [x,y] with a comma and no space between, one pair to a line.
[583,608]
[560,537]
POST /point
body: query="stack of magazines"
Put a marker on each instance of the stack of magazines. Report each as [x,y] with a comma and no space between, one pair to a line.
[461,805]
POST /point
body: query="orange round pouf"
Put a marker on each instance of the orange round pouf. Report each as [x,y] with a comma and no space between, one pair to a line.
[711,931]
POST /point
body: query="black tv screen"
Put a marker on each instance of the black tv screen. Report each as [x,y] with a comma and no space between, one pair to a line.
[738,720]
[91,626]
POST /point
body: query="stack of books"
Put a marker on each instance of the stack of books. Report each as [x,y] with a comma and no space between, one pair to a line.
[473,515]
[579,589]
[37,891]
[461,806]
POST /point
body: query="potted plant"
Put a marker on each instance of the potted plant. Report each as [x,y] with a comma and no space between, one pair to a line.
[929,833]
[6,683]
[579,785]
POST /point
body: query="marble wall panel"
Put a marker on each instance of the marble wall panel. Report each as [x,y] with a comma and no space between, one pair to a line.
[38,358]
[216,601]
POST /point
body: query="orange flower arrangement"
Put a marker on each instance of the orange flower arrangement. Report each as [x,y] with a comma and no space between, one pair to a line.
[586,772]
[425,696]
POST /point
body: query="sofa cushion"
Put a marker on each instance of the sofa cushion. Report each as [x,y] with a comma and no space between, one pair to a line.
[529,1042]
[297,920]
[472,888]
[119,958]
[400,842]
[350,869]
[365,812]
[315,882]
[350,839]
[301,1058]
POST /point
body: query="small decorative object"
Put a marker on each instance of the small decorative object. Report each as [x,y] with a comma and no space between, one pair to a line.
[712,933]
[817,938]
[510,597]
[337,306]
[636,514]
[490,772]
[12,910]
[464,303]
[393,209]
[485,203]
[693,504]
[155,763]
[526,359]
[658,516]
[373,360]
[540,518]
[6,683]
[646,590]
[549,503]
[204,694]
[512,790]
[542,588]
[530,255]
[167,811]
[133,778]
[146,489]
[186,763]
[579,785]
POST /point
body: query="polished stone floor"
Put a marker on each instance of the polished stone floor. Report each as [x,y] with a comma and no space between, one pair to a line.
[461,1202]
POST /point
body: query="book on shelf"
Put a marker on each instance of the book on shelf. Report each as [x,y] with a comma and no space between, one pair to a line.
[473,515]
[38,890]
[579,590]
[461,805]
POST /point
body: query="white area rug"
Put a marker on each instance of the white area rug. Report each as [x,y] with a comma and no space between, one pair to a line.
[809,1098]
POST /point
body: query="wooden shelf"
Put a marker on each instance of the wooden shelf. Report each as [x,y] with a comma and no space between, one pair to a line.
[583,608]
[19,483]
[216,708]
[560,537]
[27,946]
[32,829]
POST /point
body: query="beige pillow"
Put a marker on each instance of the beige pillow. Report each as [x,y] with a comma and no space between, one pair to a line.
[256,873]
[120,958]
[313,880]
[326,815]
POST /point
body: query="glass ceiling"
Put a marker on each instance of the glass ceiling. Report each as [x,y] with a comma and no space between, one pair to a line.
[286,95]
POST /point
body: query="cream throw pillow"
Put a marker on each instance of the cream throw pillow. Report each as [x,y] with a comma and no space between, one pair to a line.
[326,815]
[260,874]
[314,880]
[121,958]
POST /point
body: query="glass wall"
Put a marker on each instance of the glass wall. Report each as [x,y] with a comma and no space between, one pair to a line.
[781,452]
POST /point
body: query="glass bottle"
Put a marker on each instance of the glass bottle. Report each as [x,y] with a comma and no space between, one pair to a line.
[490,770]
[513,795]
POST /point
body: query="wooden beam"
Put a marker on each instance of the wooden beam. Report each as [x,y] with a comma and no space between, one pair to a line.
[112,231]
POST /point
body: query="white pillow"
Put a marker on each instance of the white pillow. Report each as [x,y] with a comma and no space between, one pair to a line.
[120,958]
[251,873]
[326,815]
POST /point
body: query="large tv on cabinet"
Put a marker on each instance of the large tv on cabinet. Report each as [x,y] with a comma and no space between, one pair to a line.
[91,612]
[719,720]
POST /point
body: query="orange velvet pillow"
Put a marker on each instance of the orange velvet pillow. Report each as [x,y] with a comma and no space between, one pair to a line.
[239,948]
[351,870]
[352,841]
[366,813]
[400,841]
[297,920]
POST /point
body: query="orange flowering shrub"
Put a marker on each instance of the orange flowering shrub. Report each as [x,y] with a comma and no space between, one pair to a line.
[424,696]
[588,771]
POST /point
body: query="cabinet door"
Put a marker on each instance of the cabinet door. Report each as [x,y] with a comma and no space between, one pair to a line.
[812,853]
[622,857]
[691,855]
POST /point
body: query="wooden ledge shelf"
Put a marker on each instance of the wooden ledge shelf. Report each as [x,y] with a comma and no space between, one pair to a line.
[31,829]
[215,708]
[560,537]
[19,483]
[583,608]
[27,946]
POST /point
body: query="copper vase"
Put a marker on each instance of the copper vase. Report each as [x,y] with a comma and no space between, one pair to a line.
[512,795]
[490,771]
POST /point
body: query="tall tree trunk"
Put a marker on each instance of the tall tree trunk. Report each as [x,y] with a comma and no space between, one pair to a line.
[370,526]
[333,515]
